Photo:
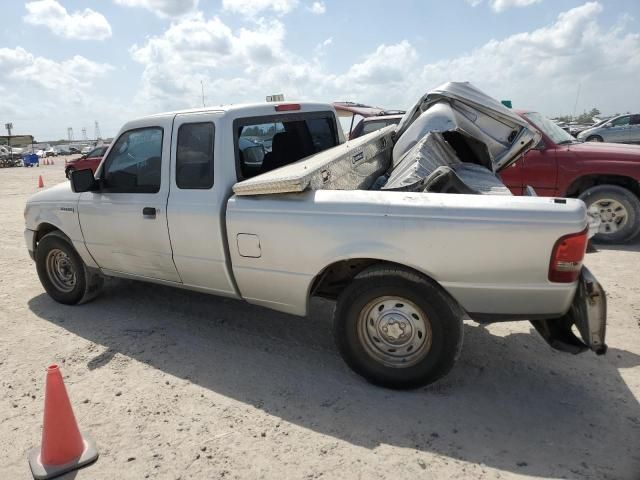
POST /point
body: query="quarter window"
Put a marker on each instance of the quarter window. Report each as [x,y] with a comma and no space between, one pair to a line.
[194,156]
[134,163]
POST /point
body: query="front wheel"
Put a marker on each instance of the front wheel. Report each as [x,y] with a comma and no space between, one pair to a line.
[595,138]
[619,212]
[62,272]
[397,329]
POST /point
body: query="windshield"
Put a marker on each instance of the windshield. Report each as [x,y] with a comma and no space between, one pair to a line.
[553,131]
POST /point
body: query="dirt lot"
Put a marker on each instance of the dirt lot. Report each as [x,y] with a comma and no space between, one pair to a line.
[175,384]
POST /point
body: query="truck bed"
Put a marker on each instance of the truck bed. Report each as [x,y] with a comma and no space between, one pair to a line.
[490,252]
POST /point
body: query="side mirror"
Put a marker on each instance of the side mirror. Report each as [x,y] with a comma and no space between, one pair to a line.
[540,145]
[607,125]
[83,181]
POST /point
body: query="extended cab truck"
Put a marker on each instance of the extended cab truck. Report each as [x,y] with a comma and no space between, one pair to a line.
[605,176]
[403,267]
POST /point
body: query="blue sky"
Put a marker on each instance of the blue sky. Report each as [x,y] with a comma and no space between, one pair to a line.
[71,62]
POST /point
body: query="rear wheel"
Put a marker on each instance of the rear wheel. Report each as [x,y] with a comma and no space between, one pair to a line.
[62,272]
[619,212]
[594,138]
[397,329]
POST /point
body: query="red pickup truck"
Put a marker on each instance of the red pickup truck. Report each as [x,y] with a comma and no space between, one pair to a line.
[90,160]
[606,176]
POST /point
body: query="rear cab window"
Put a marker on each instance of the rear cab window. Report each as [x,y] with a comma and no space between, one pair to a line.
[265,143]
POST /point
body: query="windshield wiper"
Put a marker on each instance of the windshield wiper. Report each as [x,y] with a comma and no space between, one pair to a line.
[564,142]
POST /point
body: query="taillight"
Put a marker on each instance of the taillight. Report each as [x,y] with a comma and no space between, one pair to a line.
[566,257]
[287,107]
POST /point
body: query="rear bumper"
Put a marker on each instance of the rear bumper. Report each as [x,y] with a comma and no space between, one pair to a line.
[588,313]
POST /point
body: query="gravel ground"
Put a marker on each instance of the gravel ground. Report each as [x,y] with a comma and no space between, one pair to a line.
[175,384]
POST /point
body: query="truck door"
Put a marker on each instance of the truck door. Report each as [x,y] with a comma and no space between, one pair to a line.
[124,223]
[540,170]
[512,176]
[197,204]
[619,131]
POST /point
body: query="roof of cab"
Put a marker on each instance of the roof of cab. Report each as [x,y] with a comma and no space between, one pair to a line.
[257,107]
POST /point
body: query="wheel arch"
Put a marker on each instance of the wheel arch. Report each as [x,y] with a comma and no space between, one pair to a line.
[581,184]
[43,229]
[333,278]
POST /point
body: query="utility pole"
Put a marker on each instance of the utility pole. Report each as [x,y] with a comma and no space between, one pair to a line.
[202,87]
[9,127]
[575,105]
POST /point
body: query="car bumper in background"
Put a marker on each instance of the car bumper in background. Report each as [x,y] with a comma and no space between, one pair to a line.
[588,313]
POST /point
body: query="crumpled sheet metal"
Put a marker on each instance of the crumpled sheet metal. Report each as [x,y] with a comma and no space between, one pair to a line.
[467,109]
[480,179]
[431,152]
[354,165]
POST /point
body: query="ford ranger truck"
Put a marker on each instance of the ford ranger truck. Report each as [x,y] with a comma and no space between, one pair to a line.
[404,267]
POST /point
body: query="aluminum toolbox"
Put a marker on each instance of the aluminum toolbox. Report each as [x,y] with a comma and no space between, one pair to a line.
[353,165]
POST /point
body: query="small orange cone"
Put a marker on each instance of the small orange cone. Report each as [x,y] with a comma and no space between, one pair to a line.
[63,447]
[46,162]
[40,182]
[52,162]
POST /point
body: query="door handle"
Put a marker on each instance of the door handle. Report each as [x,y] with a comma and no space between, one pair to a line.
[149,212]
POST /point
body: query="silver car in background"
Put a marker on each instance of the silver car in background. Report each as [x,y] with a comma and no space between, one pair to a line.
[620,129]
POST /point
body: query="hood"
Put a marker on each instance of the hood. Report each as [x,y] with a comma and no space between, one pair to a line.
[58,193]
[607,151]
[482,130]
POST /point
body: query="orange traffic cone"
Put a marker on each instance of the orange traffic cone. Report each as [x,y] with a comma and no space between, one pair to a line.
[63,447]
[40,182]
[46,162]
[52,162]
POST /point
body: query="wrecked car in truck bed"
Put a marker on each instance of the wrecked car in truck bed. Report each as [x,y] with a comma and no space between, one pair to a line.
[409,230]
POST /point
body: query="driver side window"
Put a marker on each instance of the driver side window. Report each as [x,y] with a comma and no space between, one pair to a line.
[134,163]
[620,122]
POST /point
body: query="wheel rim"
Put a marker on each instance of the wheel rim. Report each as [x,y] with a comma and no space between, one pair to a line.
[394,331]
[60,270]
[613,215]
[595,139]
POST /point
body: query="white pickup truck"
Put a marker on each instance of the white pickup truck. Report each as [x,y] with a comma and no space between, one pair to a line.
[404,262]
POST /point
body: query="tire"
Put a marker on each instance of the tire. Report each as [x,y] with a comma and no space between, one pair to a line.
[594,138]
[62,272]
[67,172]
[417,360]
[619,211]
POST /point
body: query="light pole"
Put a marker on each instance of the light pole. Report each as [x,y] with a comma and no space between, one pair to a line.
[9,127]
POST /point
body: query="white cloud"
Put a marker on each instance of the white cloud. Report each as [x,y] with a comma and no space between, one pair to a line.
[42,96]
[163,8]
[318,8]
[255,7]
[81,25]
[67,78]
[542,69]
[195,49]
[539,69]
[501,5]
